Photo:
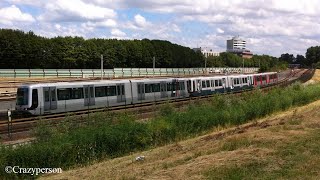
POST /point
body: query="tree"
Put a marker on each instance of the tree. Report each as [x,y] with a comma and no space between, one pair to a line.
[300,59]
[289,58]
[312,55]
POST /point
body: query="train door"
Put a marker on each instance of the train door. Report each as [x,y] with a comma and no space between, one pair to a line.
[189,86]
[141,93]
[89,95]
[175,88]
[249,80]
[231,83]
[198,85]
[120,93]
[50,98]
[224,83]
[182,87]
[163,89]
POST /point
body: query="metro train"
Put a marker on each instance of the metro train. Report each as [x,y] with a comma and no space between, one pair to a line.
[48,98]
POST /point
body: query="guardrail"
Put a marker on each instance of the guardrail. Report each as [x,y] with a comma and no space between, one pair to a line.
[117,72]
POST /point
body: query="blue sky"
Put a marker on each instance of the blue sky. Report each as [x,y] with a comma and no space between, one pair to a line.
[269,26]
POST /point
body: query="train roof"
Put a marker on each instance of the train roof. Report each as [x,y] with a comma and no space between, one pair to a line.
[96,82]
[117,81]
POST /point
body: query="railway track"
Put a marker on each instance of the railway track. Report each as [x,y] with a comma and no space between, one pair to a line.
[144,110]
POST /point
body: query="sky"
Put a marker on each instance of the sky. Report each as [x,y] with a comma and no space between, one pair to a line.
[270,27]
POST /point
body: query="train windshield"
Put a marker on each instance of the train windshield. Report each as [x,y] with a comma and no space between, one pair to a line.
[22,96]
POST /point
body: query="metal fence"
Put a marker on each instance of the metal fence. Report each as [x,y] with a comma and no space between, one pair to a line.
[117,72]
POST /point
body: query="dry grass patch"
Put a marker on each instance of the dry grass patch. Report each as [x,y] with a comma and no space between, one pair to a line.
[281,146]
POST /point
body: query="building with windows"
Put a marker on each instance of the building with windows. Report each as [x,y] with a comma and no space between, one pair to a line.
[238,46]
[207,52]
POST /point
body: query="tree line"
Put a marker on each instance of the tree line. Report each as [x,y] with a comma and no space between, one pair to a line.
[312,58]
[23,50]
[264,62]
[27,50]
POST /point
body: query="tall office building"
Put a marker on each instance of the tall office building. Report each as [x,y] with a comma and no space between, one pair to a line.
[238,46]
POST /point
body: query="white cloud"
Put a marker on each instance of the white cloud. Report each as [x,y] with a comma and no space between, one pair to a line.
[219,30]
[176,28]
[117,33]
[140,21]
[57,26]
[12,14]
[280,25]
[75,10]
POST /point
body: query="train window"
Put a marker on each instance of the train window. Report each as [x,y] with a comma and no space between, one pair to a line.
[100,91]
[64,94]
[46,96]
[77,93]
[244,80]
[118,90]
[162,87]
[203,84]
[91,92]
[216,83]
[155,87]
[238,81]
[263,78]
[169,87]
[34,99]
[53,95]
[22,96]
[220,82]
[111,90]
[194,85]
[208,83]
[140,88]
[234,81]
[122,87]
[189,85]
[183,86]
[148,88]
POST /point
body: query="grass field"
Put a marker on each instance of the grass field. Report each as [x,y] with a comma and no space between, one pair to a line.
[284,146]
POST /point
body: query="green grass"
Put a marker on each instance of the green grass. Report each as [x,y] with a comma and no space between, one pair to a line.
[298,159]
[106,135]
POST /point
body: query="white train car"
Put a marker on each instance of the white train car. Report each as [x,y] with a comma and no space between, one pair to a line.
[239,82]
[47,98]
[145,90]
[207,85]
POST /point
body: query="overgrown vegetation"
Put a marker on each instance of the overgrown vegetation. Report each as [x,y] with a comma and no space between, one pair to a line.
[296,159]
[106,135]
